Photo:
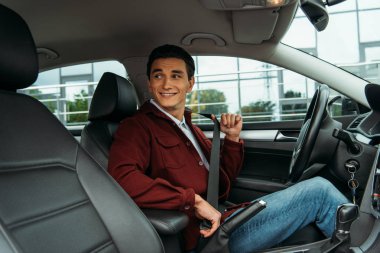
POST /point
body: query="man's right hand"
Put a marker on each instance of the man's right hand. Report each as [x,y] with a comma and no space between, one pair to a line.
[204,211]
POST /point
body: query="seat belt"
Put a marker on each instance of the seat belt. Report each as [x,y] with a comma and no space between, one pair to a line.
[213,171]
[218,243]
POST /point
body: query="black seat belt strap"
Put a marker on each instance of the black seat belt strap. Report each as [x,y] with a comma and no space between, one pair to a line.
[213,172]
[218,242]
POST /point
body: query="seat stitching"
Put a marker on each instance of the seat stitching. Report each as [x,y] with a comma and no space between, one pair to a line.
[44,216]
[7,237]
[101,246]
[35,167]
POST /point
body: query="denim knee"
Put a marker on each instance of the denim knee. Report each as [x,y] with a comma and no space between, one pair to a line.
[320,184]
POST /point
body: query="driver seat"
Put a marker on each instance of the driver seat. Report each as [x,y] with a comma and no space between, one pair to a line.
[54,197]
[115,99]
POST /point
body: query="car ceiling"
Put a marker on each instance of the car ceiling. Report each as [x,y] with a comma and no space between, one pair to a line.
[80,31]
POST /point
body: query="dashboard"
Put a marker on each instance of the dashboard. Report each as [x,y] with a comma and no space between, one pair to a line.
[364,131]
[368,125]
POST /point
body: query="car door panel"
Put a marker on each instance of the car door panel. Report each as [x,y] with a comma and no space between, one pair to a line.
[267,154]
[268,148]
[266,163]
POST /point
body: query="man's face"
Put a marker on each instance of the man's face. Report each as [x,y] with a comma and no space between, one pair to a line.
[169,84]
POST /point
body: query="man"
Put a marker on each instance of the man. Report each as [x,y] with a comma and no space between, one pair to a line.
[161,160]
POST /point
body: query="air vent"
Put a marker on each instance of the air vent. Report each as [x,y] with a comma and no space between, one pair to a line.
[356,123]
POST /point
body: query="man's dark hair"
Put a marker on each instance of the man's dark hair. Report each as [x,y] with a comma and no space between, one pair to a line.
[171,51]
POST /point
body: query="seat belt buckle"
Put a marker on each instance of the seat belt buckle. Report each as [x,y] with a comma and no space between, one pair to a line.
[205,224]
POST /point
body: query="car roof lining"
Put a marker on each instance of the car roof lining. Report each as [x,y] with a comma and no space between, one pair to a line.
[123,29]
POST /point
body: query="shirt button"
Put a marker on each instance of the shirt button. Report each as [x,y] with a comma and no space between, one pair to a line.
[200,163]
[188,143]
[187,207]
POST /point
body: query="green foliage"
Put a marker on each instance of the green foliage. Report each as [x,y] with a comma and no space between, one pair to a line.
[336,110]
[292,94]
[202,97]
[258,108]
[37,94]
[79,104]
[293,108]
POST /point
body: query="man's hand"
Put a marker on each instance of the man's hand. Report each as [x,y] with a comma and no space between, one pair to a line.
[231,124]
[204,211]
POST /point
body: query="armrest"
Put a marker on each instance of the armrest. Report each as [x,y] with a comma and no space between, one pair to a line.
[242,216]
[218,242]
[166,222]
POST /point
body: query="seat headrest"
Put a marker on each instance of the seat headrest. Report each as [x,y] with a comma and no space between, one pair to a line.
[113,100]
[18,55]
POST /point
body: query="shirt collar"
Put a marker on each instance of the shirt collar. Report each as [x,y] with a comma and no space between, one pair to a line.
[178,122]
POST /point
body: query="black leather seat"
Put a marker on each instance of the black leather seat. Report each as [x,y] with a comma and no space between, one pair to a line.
[114,99]
[53,196]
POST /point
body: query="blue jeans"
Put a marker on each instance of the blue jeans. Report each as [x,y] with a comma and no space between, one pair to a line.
[314,200]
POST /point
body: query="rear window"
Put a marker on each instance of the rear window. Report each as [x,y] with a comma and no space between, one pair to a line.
[67,91]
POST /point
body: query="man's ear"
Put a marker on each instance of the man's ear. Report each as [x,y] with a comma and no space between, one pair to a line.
[191,82]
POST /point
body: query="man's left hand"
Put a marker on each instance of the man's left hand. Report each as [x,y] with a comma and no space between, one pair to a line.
[231,124]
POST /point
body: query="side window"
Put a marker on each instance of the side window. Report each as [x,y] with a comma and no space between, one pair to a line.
[68,91]
[259,91]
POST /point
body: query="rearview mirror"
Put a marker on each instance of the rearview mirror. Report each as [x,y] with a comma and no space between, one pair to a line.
[316,12]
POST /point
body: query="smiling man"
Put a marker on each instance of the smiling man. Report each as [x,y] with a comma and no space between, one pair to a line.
[169,85]
[161,160]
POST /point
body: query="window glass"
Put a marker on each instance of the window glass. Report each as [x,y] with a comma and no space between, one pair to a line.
[367,4]
[342,28]
[216,68]
[258,91]
[304,27]
[48,77]
[346,42]
[108,66]
[67,91]
[372,53]
[344,6]
[81,69]
[369,22]
[372,68]
[300,13]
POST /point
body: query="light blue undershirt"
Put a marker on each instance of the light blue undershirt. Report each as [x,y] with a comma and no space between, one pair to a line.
[186,130]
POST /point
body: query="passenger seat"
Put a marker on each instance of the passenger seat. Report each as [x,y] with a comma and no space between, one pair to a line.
[54,197]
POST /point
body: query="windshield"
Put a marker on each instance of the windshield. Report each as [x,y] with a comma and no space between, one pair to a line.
[350,41]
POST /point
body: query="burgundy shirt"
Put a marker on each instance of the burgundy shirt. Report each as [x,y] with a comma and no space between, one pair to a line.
[158,166]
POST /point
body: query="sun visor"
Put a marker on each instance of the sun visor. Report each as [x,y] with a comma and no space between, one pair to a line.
[254,21]
[255,26]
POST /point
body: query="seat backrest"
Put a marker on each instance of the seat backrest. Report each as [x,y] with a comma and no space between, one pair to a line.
[53,196]
[114,99]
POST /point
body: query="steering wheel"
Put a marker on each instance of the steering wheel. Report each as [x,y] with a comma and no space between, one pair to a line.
[308,134]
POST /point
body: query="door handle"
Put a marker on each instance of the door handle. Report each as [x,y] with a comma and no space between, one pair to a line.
[283,138]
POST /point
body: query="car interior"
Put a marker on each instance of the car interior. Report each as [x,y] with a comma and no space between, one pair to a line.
[56,194]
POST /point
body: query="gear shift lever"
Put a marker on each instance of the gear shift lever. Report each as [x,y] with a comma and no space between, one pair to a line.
[341,240]
[345,215]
